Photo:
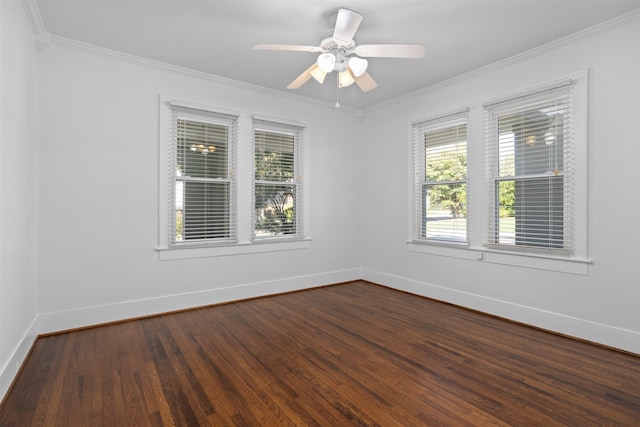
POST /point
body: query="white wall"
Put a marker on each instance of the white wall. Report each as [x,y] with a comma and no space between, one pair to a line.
[18,189]
[99,193]
[602,305]
[78,230]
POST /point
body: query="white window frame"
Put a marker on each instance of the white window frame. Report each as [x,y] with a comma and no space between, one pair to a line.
[243,172]
[298,133]
[171,111]
[578,260]
[419,128]
[230,123]
[566,89]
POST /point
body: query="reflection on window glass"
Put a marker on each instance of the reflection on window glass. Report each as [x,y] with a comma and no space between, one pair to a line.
[530,182]
[444,193]
[275,185]
[202,187]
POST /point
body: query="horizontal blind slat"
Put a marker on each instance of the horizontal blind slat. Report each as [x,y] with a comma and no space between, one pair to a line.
[440,173]
[529,165]
[203,157]
[277,178]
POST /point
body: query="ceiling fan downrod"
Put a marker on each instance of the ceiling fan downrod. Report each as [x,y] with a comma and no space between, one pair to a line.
[337,90]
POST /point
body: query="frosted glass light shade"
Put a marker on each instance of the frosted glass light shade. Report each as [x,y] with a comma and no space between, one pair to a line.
[358,65]
[318,74]
[345,79]
[326,62]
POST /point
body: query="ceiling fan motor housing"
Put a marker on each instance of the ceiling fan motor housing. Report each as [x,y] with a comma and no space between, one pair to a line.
[340,49]
[340,53]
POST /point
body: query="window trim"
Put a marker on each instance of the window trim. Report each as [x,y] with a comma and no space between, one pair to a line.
[244,166]
[215,118]
[576,182]
[298,132]
[476,251]
[417,165]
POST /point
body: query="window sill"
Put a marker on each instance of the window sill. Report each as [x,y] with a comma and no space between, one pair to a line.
[167,254]
[572,265]
[448,249]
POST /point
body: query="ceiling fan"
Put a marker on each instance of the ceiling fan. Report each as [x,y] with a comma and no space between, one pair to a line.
[340,53]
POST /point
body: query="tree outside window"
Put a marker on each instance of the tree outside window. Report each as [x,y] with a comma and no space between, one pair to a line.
[444,190]
[202,182]
[275,185]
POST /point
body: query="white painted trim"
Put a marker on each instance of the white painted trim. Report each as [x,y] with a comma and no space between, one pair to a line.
[443,116]
[9,371]
[280,121]
[64,42]
[246,243]
[89,316]
[524,259]
[596,29]
[608,335]
[167,254]
[451,250]
[33,16]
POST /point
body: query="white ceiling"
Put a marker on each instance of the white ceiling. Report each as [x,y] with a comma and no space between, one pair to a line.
[217,37]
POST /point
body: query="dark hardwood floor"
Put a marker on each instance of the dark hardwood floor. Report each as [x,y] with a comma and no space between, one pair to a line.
[353,354]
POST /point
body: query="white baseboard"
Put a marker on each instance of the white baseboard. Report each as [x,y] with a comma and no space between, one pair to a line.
[88,316]
[611,336]
[95,315]
[18,356]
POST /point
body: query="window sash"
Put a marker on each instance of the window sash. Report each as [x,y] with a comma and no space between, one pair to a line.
[440,178]
[201,165]
[277,180]
[530,167]
[435,225]
[205,214]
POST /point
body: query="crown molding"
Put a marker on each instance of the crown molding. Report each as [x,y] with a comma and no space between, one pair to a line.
[596,29]
[42,36]
[33,16]
[175,69]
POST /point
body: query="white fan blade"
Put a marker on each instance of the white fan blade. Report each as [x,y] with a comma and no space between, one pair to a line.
[290,47]
[366,82]
[390,50]
[347,24]
[302,78]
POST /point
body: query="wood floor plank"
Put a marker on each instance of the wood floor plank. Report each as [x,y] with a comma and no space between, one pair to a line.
[355,354]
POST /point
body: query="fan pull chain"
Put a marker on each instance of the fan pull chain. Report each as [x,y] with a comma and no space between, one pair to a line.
[337,89]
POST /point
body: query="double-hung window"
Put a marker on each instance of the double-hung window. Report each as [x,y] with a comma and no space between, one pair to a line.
[530,165]
[278,171]
[440,178]
[201,153]
[230,183]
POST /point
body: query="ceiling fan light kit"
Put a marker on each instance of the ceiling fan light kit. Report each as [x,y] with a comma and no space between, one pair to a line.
[326,62]
[358,65]
[345,78]
[318,73]
[341,54]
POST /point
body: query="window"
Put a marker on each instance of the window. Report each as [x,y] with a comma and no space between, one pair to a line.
[201,163]
[277,180]
[530,165]
[216,199]
[531,208]
[229,180]
[440,184]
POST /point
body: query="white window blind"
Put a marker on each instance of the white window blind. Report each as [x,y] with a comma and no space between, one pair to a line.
[201,167]
[440,178]
[278,178]
[530,165]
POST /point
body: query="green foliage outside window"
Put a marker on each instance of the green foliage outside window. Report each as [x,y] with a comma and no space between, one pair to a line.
[274,201]
[507,199]
[179,225]
[452,167]
[448,167]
